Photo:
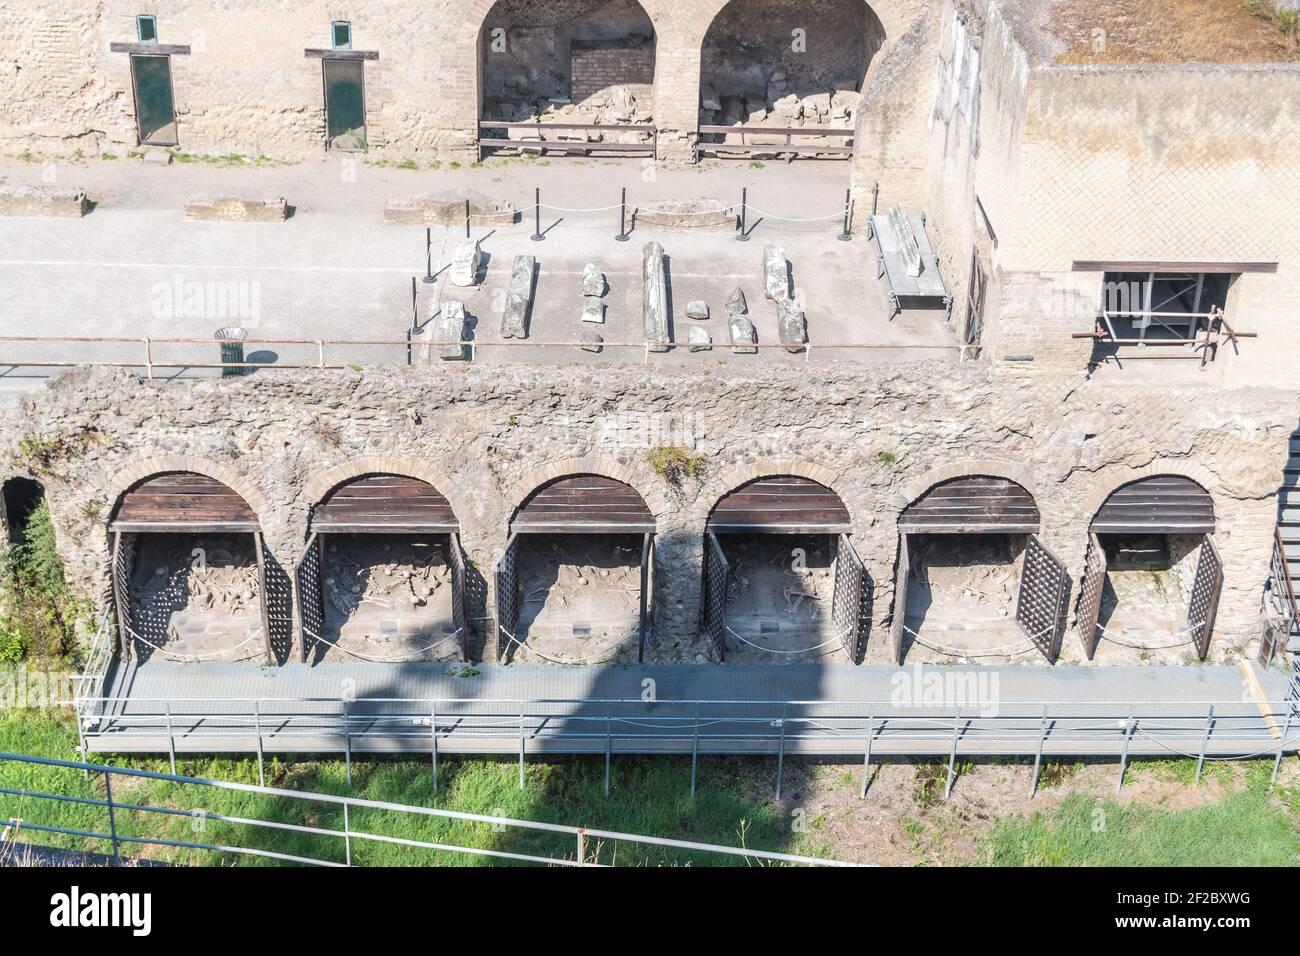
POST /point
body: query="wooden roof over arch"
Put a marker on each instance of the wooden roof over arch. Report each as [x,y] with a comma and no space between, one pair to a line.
[1161,504]
[973,505]
[184,502]
[782,504]
[584,504]
[384,504]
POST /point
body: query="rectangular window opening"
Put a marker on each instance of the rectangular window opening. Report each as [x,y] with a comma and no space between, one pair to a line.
[1169,311]
[345,105]
[341,34]
[146,29]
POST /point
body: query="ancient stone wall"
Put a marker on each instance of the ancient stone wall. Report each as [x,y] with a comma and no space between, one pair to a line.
[486,437]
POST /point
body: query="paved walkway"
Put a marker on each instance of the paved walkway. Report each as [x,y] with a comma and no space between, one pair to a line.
[742,709]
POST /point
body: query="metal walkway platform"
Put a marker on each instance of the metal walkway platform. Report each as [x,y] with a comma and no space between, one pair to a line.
[159,707]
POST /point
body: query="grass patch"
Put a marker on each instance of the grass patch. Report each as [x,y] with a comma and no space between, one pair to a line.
[41,612]
[673,463]
[1246,828]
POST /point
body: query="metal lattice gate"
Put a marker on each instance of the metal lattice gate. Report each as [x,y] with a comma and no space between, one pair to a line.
[897,625]
[507,597]
[122,559]
[307,589]
[263,595]
[1094,582]
[1203,605]
[457,561]
[851,601]
[715,594]
[1044,597]
[647,561]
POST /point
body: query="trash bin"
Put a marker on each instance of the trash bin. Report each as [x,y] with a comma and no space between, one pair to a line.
[232,350]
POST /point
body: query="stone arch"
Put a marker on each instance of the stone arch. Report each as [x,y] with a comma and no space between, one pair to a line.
[1106,483]
[639,478]
[914,488]
[315,490]
[123,479]
[743,473]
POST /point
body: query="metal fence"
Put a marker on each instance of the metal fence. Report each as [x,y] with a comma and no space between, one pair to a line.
[858,730]
[114,808]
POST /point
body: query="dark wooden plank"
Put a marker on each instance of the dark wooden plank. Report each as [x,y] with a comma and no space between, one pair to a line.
[1157,266]
[150,49]
[317,54]
[780,504]
[1162,504]
[384,504]
[976,504]
[182,501]
[584,504]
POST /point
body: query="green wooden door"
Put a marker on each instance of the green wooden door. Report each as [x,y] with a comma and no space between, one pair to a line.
[155,113]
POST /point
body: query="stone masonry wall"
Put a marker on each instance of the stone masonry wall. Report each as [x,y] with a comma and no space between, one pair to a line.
[878,435]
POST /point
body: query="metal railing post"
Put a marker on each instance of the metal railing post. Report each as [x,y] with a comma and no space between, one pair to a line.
[1129,729]
[261,763]
[521,746]
[347,741]
[780,752]
[695,750]
[148,358]
[537,235]
[433,742]
[952,754]
[866,754]
[582,846]
[609,741]
[1205,743]
[112,818]
[347,835]
[171,739]
[1286,732]
[1038,757]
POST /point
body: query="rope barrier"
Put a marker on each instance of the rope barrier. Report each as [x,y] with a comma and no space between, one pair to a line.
[838,639]
[610,655]
[768,215]
[194,658]
[1154,647]
[1259,753]
[1028,643]
[415,656]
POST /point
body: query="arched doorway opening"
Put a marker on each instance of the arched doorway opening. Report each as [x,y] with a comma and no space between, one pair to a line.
[1152,575]
[973,580]
[785,79]
[782,583]
[572,77]
[188,571]
[573,586]
[382,578]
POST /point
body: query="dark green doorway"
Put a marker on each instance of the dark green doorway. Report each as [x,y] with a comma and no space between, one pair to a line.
[155,113]
[345,105]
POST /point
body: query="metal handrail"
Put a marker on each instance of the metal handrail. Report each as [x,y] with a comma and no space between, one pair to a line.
[347,834]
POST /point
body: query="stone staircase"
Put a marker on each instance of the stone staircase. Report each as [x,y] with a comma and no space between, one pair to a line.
[1288,527]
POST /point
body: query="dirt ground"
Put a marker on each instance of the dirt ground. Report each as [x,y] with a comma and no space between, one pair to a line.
[388,597]
[961,601]
[196,596]
[580,598]
[1166,31]
[779,599]
[904,820]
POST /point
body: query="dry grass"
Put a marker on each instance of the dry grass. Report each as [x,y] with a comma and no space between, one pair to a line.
[1170,31]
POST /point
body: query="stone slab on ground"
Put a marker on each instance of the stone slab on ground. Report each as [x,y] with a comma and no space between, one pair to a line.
[207,208]
[43,201]
[427,210]
[519,299]
[686,214]
[654,298]
[448,326]
[465,263]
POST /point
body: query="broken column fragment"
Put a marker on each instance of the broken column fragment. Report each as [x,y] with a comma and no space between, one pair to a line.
[447,327]
[465,264]
[592,341]
[791,324]
[776,273]
[698,339]
[519,301]
[743,334]
[654,298]
[593,281]
[593,310]
[697,309]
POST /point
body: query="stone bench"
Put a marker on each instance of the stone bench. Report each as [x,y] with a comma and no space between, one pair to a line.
[426,210]
[686,214]
[43,201]
[205,208]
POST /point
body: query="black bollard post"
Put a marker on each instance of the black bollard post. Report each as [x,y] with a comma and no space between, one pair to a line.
[844,235]
[537,216]
[743,236]
[466,218]
[428,256]
[622,218]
